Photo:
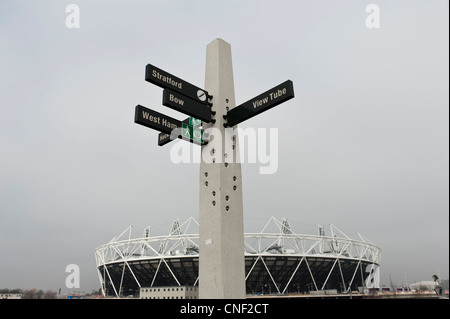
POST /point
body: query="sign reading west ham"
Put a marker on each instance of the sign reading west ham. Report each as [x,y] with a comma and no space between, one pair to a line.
[169,127]
[155,120]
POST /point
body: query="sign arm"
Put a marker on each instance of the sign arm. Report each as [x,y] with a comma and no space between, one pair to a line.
[261,103]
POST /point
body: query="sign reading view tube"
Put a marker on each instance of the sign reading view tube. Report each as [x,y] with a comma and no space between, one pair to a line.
[263,102]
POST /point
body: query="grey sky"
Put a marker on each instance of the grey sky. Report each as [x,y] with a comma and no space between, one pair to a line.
[363,145]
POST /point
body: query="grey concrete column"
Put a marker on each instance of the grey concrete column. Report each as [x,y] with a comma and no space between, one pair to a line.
[221,229]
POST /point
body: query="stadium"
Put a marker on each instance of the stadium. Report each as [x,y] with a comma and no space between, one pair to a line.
[278,261]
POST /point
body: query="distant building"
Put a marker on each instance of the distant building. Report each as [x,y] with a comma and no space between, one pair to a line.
[423,286]
[10,296]
[169,292]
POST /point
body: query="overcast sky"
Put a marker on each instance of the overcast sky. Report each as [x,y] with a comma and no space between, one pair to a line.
[363,145]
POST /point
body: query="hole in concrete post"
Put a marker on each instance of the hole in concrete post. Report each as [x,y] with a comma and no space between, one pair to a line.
[214,193]
[227,100]
[234,187]
[226,164]
[227,198]
[206,183]
[214,203]
[227,208]
[206,174]
[234,178]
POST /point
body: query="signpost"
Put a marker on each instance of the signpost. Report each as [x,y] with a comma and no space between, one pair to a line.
[263,102]
[181,96]
[221,231]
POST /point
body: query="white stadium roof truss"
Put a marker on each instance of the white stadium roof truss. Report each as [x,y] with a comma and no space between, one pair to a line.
[275,239]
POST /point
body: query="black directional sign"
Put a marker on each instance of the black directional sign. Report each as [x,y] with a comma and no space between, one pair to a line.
[155,120]
[164,138]
[168,81]
[166,124]
[263,102]
[186,105]
[186,132]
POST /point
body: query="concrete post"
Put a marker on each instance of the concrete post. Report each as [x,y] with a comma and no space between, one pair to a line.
[221,229]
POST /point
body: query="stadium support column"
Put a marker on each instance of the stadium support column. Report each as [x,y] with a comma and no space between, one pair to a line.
[221,229]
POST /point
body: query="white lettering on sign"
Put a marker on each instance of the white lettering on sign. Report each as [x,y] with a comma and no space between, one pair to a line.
[168,124]
[167,79]
[157,119]
[258,103]
[176,100]
[151,118]
[271,97]
[163,137]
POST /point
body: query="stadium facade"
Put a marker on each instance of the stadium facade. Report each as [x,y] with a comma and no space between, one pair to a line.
[277,260]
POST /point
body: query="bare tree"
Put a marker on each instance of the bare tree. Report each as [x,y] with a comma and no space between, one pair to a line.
[29,294]
[50,294]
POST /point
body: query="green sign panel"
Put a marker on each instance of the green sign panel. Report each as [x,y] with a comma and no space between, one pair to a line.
[192,133]
[164,138]
[194,122]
